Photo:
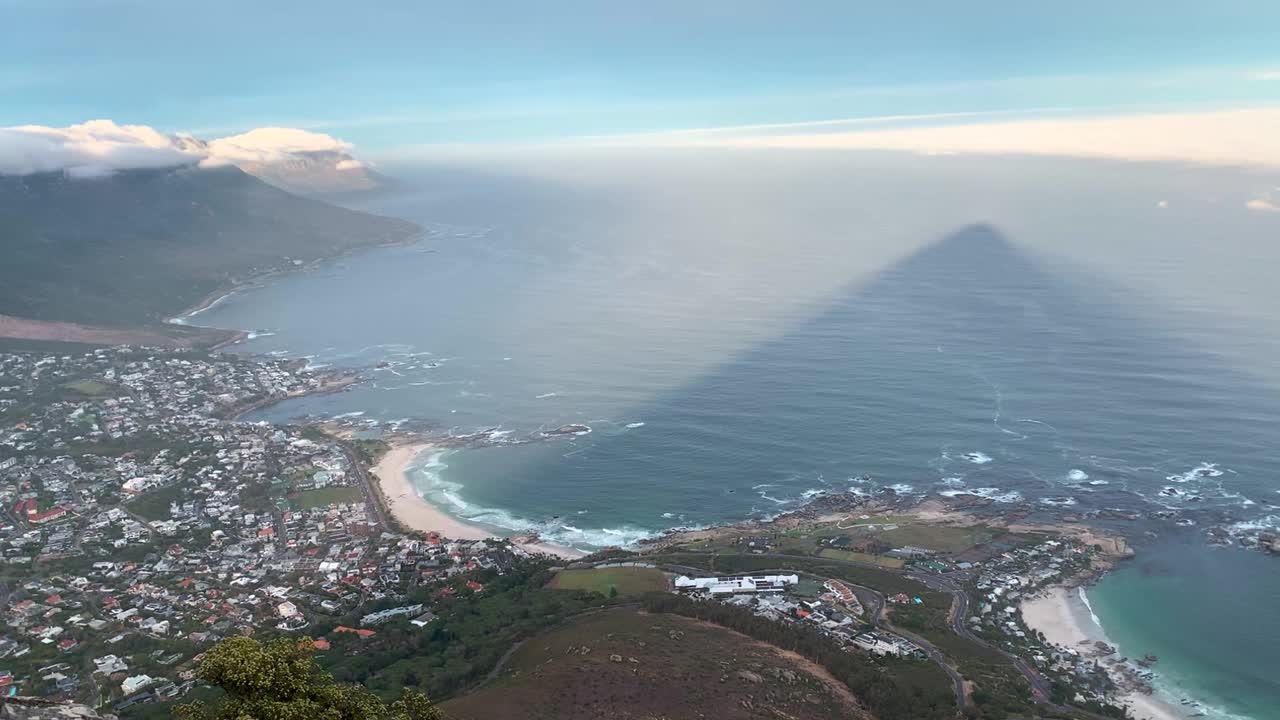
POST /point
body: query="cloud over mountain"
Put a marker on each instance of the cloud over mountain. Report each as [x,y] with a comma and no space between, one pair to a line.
[291,158]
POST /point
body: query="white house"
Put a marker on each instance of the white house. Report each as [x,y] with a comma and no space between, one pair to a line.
[736,584]
[134,683]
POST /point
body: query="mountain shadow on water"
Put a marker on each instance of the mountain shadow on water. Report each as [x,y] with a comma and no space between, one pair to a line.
[968,359]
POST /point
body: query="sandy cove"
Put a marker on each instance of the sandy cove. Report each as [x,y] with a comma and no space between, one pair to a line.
[413,511]
[1054,612]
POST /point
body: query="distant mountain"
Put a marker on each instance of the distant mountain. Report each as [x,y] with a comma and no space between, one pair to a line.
[303,171]
[319,173]
[140,246]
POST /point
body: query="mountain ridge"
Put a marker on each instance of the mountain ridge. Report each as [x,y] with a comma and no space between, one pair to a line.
[140,246]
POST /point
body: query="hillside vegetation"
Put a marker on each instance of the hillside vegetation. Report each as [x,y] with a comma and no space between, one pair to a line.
[623,663]
[142,245]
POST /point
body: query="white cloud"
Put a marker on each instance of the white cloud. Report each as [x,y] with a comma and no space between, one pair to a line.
[93,148]
[1162,204]
[1267,75]
[271,145]
[100,147]
[1263,204]
[1233,137]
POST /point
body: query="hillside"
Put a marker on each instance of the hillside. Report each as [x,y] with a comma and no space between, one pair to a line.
[623,663]
[142,245]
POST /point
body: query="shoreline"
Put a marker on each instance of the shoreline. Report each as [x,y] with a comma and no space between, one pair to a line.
[225,291]
[409,508]
[1059,614]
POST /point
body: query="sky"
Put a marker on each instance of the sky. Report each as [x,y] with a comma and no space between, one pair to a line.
[393,74]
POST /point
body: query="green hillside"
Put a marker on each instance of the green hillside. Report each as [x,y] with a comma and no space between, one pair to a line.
[141,245]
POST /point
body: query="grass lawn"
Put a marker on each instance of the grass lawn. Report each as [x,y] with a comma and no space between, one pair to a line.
[154,505]
[627,580]
[324,497]
[92,388]
[942,538]
[837,554]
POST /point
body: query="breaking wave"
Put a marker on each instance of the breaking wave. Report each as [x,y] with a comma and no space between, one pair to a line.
[991,493]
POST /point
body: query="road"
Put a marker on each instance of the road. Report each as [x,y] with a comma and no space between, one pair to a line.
[1040,687]
[873,603]
[368,485]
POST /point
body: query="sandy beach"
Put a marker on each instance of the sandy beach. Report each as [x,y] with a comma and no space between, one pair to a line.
[1060,615]
[411,509]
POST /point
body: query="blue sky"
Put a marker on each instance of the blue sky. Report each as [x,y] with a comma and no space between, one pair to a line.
[389,73]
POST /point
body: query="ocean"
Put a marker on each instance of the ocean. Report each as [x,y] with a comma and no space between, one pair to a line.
[742,332]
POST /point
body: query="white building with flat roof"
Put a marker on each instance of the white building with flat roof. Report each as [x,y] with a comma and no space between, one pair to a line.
[736,584]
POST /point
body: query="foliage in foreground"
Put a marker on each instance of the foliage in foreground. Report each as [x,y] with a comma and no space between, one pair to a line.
[281,681]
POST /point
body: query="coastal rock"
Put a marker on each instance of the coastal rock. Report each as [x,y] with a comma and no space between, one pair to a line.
[571,429]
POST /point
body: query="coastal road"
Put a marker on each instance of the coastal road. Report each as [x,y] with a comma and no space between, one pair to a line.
[1040,686]
[368,485]
[873,604]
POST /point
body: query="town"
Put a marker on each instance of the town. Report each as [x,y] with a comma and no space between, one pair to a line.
[142,523]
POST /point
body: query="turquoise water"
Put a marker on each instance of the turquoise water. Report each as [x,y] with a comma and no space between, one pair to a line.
[1209,614]
[742,333]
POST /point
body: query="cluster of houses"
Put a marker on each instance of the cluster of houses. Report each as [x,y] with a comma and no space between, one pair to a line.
[835,612]
[149,525]
[1007,580]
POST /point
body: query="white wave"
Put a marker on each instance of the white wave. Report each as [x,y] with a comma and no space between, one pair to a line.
[991,493]
[954,482]
[901,488]
[774,500]
[185,319]
[255,334]
[1058,501]
[1170,695]
[353,414]
[812,493]
[447,492]
[668,515]
[634,425]
[977,458]
[1084,598]
[1077,475]
[625,536]
[1099,482]
[1203,470]
[544,396]
[1268,523]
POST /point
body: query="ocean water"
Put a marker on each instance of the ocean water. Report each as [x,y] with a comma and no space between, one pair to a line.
[1204,612]
[742,332]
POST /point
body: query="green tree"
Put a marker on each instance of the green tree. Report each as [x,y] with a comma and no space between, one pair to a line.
[281,681]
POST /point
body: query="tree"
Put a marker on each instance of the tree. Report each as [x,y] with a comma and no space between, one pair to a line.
[281,681]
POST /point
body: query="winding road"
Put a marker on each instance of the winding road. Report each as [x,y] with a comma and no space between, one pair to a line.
[1040,686]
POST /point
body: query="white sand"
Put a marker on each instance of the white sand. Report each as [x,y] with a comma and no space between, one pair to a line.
[412,510]
[1056,614]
